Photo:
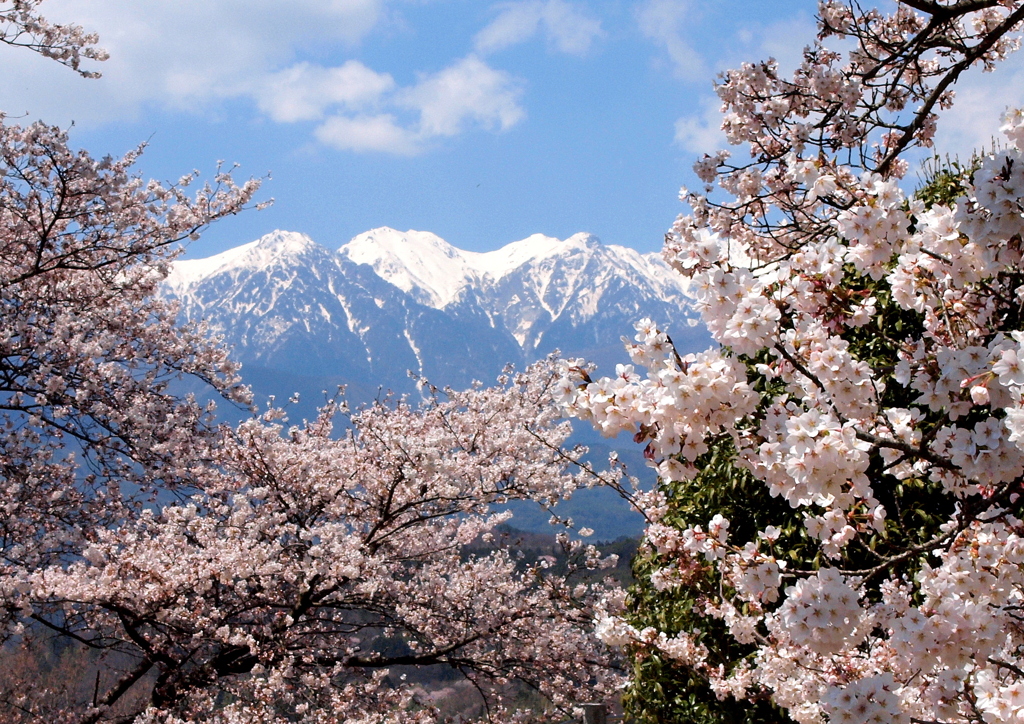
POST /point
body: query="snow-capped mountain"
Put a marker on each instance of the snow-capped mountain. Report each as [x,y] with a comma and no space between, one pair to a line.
[303,318]
[388,302]
[544,291]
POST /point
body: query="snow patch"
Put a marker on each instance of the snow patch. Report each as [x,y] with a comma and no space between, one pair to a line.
[415,350]
[413,261]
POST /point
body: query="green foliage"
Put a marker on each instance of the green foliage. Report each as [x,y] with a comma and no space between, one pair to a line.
[663,691]
[946,179]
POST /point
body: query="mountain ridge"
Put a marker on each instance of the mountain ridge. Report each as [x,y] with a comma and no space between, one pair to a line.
[387,301]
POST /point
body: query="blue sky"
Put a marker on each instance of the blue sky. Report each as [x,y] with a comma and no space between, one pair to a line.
[482,122]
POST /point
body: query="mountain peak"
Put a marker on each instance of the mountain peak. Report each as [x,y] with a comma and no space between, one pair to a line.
[502,262]
[417,262]
[585,239]
[417,302]
[263,252]
[285,242]
[435,272]
[371,244]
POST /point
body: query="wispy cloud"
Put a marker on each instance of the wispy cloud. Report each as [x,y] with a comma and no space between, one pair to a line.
[665,22]
[193,55]
[567,27]
[184,55]
[981,98]
[700,132]
[785,41]
[304,91]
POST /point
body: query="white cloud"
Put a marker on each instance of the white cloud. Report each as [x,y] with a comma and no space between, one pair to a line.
[701,131]
[192,55]
[184,54]
[466,94]
[304,92]
[567,27]
[368,133]
[469,91]
[664,22]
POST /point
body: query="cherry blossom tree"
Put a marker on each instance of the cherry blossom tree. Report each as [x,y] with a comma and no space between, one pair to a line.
[91,428]
[837,534]
[327,578]
[257,573]
[87,355]
[297,568]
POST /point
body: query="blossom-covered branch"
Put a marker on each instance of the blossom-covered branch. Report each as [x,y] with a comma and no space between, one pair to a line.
[88,356]
[22,25]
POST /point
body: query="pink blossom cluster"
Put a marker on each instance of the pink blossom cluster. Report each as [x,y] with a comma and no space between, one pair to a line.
[86,353]
[688,398]
[22,25]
